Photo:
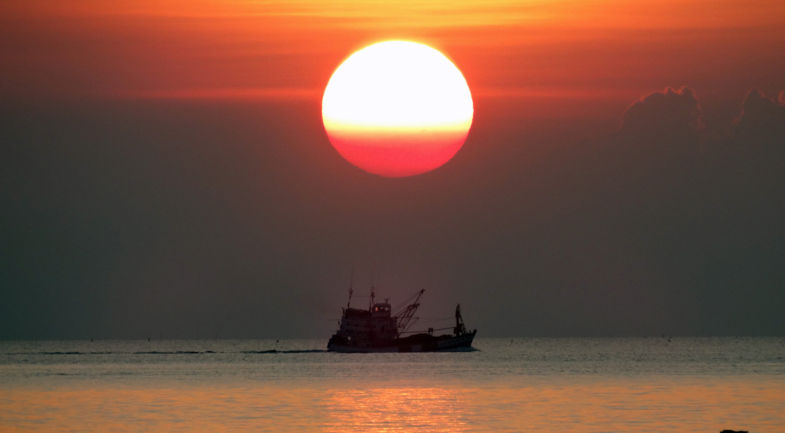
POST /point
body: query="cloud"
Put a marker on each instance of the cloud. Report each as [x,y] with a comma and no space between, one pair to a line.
[664,114]
[761,118]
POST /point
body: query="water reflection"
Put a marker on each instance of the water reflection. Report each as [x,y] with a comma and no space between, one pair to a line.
[571,404]
[383,410]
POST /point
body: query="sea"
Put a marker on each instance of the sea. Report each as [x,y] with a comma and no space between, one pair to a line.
[656,384]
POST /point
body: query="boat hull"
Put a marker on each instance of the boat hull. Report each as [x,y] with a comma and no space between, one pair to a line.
[414,343]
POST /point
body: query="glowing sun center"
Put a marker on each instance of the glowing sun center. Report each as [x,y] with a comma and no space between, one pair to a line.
[397,108]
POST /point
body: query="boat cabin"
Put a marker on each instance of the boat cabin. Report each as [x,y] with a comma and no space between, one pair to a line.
[372,325]
[381,309]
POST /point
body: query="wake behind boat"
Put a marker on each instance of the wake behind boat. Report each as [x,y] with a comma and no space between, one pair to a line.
[378,329]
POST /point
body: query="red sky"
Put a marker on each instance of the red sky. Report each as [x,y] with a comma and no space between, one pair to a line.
[525,53]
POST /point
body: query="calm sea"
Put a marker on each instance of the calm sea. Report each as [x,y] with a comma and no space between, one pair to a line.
[507,385]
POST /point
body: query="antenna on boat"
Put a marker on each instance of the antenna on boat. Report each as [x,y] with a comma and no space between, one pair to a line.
[351,289]
[373,292]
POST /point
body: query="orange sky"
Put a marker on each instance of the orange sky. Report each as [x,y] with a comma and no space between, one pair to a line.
[242,49]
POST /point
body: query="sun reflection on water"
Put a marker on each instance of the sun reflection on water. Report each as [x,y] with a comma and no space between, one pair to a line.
[577,405]
[386,410]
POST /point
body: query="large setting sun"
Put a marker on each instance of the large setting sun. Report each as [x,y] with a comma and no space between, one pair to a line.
[397,108]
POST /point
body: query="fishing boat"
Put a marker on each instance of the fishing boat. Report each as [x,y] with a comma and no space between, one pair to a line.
[380,329]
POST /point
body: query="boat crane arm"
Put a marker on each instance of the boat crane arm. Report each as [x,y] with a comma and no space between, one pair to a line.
[412,299]
[405,317]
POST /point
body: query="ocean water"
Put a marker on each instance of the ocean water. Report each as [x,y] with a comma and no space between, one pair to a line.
[506,385]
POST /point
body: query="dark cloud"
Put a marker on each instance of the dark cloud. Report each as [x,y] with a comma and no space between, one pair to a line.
[701,219]
[761,119]
[664,114]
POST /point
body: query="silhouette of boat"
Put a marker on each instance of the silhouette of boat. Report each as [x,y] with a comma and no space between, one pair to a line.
[379,329]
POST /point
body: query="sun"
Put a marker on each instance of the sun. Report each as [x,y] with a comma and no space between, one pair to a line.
[397,108]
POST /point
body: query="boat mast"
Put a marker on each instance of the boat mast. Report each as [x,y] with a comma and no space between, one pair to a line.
[460,328]
[373,293]
[351,289]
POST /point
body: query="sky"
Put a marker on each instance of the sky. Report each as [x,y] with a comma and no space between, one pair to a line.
[166,174]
